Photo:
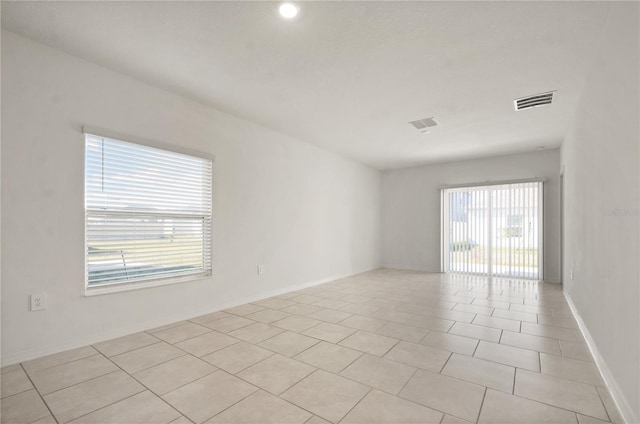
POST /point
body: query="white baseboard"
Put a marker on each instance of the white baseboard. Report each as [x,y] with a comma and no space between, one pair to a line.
[618,397]
[29,354]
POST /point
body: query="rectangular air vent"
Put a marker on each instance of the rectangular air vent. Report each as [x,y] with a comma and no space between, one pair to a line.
[425,123]
[534,101]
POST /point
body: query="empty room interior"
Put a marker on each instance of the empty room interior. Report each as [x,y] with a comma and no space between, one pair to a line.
[249,212]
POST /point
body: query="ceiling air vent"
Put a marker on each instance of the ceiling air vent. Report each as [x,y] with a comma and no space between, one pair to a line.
[534,101]
[423,124]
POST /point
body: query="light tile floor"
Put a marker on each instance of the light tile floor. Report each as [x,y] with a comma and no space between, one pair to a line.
[387,346]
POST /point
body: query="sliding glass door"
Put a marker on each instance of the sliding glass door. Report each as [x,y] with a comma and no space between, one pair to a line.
[493,230]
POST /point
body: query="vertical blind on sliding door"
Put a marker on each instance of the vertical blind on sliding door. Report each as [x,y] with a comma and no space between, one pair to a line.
[493,230]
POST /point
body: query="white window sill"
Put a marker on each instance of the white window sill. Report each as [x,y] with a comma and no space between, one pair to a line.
[122,287]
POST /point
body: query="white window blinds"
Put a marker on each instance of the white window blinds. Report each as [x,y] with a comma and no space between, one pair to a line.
[148,213]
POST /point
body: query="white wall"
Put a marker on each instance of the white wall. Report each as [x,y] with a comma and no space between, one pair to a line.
[411,206]
[304,213]
[601,162]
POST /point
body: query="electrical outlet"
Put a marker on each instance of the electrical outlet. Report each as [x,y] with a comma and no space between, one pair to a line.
[260,269]
[39,302]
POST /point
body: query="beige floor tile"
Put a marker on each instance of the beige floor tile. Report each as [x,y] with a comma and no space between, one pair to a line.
[146,357]
[392,315]
[549,331]
[206,343]
[331,303]
[500,323]
[228,324]
[429,323]
[420,356]
[359,309]
[332,333]
[558,322]
[209,317]
[381,408]
[509,355]
[268,316]
[51,379]
[46,420]
[208,396]
[559,392]
[182,420]
[450,395]
[473,309]
[381,373]
[126,343]
[142,408]
[496,304]
[450,342]
[58,359]
[516,315]
[264,408]
[610,406]
[276,373]
[296,323]
[86,397]
[403,332]
[540,310]
[14,382]
[505,408]
[575,350]
[356,298]
[275,303]
[571,369]
[476,332]
[416,309]
[289,343]
[317,420]
[464,317]
[181,332]
[369,343]
[306,298]
[326,395]
[330,315]
[583,419]
[237,357]
[170,375]
[301,309]
[363,323]
[328,356]
[255,333]
[450,419]
[384,303]
[25,407]
[479,371]
[243,310]
[528,341]
[10,368]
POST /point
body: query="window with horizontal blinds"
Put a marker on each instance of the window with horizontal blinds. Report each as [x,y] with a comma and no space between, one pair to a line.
[148,213]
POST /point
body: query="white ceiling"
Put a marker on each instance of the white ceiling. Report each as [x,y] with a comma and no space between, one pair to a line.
[348,76]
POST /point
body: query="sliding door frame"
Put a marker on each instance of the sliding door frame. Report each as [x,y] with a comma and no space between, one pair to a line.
[444,213]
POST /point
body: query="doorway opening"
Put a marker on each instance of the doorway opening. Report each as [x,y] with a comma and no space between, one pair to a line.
[493,230]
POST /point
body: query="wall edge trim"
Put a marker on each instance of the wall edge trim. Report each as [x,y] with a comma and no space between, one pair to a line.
[616,394]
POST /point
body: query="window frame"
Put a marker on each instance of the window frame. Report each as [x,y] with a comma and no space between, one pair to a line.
[122,286]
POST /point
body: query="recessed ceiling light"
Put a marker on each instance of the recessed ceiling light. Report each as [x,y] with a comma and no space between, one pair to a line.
[288,10]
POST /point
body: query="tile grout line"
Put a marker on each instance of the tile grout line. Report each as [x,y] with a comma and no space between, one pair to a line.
[484,396]
[139,382]
[39,394]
